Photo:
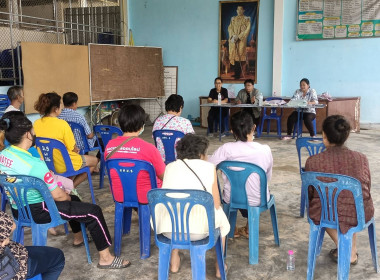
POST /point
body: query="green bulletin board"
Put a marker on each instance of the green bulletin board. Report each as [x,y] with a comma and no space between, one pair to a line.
[333,19]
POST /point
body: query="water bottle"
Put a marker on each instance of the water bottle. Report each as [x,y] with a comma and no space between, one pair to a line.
[291,261]
[219,98]
[260,100]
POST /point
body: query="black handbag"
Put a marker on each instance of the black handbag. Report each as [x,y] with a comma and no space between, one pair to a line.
[9,266]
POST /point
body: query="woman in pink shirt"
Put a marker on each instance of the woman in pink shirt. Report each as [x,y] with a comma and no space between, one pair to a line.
[246,150]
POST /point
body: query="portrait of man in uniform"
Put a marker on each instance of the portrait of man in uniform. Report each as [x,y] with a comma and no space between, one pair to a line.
[238,36]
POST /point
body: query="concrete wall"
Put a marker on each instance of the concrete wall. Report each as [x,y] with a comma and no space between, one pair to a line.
[188,33]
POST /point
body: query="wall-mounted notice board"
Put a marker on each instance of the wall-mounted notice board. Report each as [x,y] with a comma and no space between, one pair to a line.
[54,67]
[122,72]
[335,19]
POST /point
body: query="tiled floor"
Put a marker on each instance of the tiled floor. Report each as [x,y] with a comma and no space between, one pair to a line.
[285,185]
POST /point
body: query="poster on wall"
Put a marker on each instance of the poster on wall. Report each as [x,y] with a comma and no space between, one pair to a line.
[238,25]
[337,19]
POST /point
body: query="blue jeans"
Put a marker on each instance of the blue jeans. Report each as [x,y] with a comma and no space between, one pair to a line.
[47,261]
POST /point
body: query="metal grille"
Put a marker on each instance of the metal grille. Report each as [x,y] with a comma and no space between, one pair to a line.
[78,22]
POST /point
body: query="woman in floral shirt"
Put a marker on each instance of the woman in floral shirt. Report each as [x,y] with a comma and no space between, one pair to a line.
[172,120]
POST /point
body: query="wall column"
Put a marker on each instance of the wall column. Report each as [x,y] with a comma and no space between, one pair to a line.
[278,27]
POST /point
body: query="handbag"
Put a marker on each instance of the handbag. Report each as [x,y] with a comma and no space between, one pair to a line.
[9,266]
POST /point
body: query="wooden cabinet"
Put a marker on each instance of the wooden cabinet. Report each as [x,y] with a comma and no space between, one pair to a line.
[346,106]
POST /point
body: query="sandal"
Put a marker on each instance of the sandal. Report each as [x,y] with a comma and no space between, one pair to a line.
[334,256]
[243,232]
[89,239]
[117,263]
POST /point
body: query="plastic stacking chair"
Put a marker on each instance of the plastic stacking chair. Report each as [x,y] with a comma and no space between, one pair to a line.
[104,132]
[18,192]
[168,139]
[179,203]
[4,199]
[299,125]
[86,148]
[273,115]
[4,103]
[237,173]
[37,277]
[47,146]
[313,146]
[328,193]
[127,171]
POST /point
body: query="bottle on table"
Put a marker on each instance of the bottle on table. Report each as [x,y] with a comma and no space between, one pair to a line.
[291,261]
[219,98]
[260,100]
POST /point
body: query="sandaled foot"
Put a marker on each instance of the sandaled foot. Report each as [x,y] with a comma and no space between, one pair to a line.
[355,262]
[117,263]
[334,254]
[243,232]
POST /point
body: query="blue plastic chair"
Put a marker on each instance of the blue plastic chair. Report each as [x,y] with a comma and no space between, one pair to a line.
[168,139]
[4,199]
[179,209]
[329,192]
[273,115]
[105,132]
[237,173]
[127,171]
[47,146]
[18,191]
[4,103]
[79,130]
[313,146]
[299,125]
[37,277]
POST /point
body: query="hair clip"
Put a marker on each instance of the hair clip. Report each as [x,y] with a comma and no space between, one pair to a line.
[7,121]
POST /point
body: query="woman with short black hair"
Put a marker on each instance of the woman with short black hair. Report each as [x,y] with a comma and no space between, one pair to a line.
[245,150]
[131,146]
[338,159]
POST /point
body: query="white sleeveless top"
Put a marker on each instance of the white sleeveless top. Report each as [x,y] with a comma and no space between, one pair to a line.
[178,177]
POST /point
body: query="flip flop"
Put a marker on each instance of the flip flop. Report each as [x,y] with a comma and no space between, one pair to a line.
[243,232]
[334,254]
[89,239]
[117,263]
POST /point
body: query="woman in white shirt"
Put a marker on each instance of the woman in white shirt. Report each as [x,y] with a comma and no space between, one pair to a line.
[245,150]
[192,158]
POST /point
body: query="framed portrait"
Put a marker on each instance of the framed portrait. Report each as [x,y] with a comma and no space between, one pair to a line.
[238,25]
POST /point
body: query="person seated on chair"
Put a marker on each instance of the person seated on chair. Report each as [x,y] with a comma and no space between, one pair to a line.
[49,106]
[15,160]
[16,97]
[250,95]
[32,260]
[132,122]
[245,150]
[310,95]
[213,114]
[70,114]
[338,159]
[192,157]
[172,120]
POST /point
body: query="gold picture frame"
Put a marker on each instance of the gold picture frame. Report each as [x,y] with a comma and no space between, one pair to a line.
[238,29]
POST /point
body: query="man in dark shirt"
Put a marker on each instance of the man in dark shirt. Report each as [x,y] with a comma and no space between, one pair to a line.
[213,114]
